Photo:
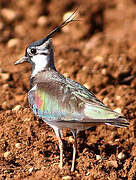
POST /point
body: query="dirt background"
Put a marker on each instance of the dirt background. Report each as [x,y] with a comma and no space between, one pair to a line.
[99,52]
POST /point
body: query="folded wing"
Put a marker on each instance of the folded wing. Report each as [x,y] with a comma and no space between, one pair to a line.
[70,102]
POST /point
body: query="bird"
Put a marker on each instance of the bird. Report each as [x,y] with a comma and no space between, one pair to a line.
[60,101]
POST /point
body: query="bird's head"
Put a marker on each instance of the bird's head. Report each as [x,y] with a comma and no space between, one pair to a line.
[40,53]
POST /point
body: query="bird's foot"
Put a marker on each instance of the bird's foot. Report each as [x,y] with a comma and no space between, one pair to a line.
[73,166]
[60,165]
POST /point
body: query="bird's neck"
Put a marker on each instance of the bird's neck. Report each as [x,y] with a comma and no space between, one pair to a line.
[41,63]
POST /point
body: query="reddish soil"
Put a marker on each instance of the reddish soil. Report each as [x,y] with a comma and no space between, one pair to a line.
[99,52]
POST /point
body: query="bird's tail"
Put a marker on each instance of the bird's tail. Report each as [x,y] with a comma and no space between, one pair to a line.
[118,122]
[103,114]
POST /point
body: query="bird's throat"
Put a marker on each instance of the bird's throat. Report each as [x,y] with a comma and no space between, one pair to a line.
[40,63]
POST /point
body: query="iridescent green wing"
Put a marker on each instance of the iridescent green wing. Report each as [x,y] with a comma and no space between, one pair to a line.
[94,109]
[56,101]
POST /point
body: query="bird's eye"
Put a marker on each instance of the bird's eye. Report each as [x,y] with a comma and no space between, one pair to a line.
[33,51]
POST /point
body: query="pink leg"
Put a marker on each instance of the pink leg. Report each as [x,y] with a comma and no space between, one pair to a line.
[74,150]
[58,133]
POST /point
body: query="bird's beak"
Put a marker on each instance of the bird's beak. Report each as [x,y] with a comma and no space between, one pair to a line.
[21,60]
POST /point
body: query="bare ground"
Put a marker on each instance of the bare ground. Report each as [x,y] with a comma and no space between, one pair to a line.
[99,52]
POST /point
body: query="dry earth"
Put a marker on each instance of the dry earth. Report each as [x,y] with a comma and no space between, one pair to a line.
[99,52]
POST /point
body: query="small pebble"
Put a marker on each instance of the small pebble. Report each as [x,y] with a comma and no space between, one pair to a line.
[16,108]
[66,74]
[106,100]
[104,71]
[87,85]
[42,21]
[88,173]
[18,145]
[116,140]
[4,76]
[85,68]
[8,14]
[13,43]
[121,156]
[30,170]
[113,164]
[5,86]
[118,97]
[27,119]
[118,110]
[98,157]
[66,178]
[98,59]
[8,112]
[6,154]
[67,15]
[4,105]
[78,175]
[20,30]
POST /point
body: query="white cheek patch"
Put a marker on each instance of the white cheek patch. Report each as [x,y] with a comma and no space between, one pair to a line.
[42,51]
[40,62]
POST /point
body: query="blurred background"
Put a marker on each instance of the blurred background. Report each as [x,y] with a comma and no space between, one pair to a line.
[99,51]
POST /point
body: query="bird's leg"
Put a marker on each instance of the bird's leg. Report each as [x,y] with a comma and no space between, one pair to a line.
[74,150]
[61,153]
[74,156]
[58,133]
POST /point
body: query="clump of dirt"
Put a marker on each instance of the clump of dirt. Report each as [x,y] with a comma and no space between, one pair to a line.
[99,52]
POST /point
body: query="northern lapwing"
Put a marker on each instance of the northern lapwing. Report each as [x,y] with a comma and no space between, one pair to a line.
[60,101]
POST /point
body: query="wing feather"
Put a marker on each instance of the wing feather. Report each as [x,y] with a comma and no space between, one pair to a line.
[66,100]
